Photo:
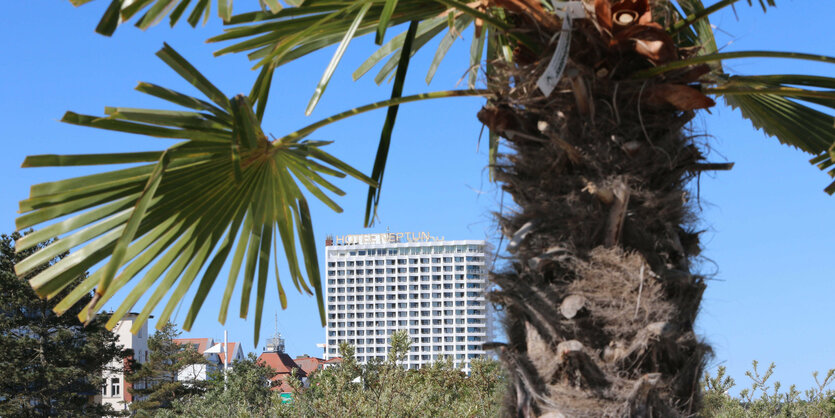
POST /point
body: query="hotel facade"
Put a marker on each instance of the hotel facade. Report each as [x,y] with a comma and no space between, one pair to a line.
[433,289]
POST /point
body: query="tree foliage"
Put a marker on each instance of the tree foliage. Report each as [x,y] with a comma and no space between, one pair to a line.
[764,399]
[385,389]
[50,365]
[378,389]
[157,383]
[245,391]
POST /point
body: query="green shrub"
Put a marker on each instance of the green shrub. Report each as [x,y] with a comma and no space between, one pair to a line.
[764,399]
[386,389]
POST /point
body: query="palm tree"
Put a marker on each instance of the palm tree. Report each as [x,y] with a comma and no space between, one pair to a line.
[592,98]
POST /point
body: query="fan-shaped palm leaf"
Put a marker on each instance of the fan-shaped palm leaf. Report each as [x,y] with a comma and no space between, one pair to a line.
[225,190]
[774,103]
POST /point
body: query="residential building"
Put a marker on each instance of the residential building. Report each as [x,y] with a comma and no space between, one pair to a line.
[230,355]
[309,364]
[275,357]
[115,389]
[213,353]
[283,365]
[198,371]
[433,289]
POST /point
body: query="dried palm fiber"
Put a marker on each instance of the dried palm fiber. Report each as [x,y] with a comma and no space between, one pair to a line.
[599,299]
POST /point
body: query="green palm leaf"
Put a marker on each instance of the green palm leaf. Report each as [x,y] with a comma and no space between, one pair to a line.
[297,31]
[155,10]
[181,212]
[785,107]
[775,104]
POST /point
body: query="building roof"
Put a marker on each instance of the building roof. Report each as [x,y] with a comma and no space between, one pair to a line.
[281,363]
[309,364]
[282,387]
[200,344]
[335,360]
[230,348]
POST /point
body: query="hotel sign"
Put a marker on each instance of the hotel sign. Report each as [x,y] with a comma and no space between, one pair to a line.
[385,238]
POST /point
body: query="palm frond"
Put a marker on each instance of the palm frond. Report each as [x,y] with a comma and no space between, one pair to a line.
[120,11]
[696,12]
[388,127]
[297,31]
[723,56]
[179,213]
[775,104]
[692,29]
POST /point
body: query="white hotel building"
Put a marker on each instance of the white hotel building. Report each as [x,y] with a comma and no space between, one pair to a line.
[434,289]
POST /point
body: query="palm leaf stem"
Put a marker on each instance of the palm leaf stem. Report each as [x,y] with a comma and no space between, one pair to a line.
[699,15]
[779,91]
[307,130]
[701,59]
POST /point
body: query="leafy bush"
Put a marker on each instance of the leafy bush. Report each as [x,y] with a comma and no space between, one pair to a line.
[377,389]
[763,399]
[245,392]
[386,389]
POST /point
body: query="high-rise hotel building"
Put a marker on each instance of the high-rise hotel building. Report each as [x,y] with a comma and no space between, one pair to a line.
[377,284]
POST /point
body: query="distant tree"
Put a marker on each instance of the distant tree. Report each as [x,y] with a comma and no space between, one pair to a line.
[244,392]
[50,365]
[764,398]
[386,389]
[378,389]
[156,383]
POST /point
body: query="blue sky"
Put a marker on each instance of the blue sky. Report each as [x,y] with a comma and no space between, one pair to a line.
[768,225]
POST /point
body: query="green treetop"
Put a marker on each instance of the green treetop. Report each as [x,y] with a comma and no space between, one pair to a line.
[51,365]
[159,381]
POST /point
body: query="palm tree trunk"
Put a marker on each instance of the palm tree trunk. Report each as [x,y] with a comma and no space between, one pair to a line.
[599,299]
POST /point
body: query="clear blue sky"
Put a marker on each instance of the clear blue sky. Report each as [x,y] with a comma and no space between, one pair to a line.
[769,230]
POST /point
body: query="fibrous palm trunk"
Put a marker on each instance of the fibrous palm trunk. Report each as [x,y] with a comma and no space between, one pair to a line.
[599,299]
